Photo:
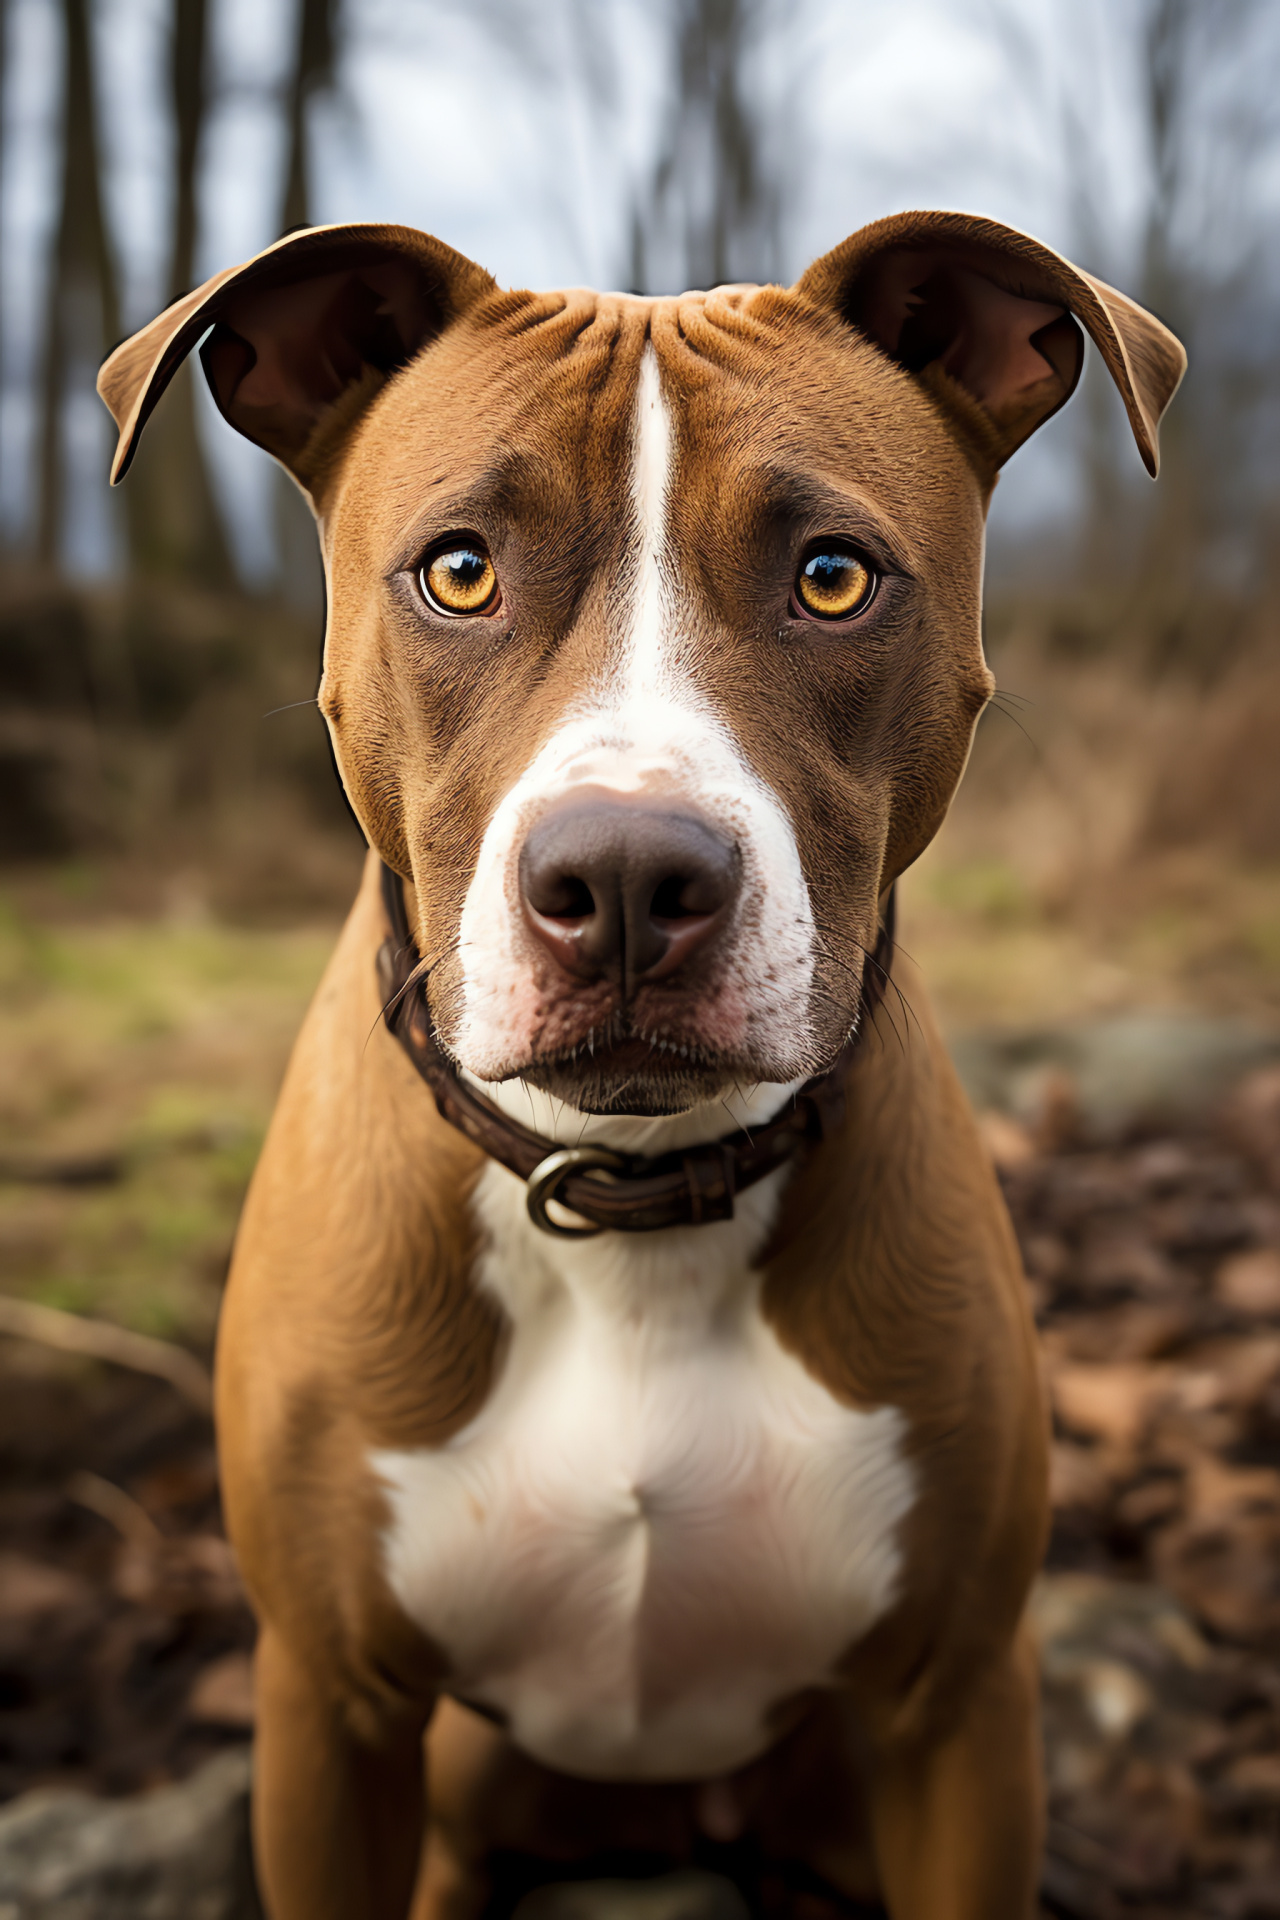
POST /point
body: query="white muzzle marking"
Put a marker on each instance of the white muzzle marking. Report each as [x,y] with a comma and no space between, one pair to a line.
[644,726]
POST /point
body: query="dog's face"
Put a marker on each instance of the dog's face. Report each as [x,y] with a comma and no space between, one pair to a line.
[718,689]
[653,650]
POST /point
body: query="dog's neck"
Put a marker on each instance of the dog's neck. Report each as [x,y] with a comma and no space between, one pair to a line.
[741,1108]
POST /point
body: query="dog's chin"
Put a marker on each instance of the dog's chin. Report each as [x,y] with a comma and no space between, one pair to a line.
[636,1079]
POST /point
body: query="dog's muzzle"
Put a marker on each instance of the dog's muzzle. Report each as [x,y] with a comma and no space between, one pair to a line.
[621,1192]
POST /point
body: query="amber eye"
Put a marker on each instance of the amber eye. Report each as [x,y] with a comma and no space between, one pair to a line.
[459,579]
[834,583]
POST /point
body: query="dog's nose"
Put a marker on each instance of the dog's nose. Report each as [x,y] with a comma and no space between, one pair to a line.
[623,889]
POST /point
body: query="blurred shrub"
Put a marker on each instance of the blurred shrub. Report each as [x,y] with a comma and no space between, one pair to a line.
[161,721]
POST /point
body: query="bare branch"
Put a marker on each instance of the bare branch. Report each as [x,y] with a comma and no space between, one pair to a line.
[101,1340]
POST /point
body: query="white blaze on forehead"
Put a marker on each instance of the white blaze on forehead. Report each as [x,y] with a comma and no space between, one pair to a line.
[651,480]
[641,723]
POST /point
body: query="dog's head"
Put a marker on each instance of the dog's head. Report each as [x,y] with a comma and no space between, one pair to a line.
[653,652]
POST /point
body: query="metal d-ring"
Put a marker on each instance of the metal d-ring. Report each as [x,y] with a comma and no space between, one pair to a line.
[550,1175]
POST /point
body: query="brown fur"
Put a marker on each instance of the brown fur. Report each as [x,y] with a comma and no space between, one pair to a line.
[412,399]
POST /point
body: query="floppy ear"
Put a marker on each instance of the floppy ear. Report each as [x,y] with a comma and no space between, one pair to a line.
[298,337]
[983,314]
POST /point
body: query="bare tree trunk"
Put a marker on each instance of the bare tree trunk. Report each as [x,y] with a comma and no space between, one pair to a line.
[311,74]
[1166,54]
[188,91]
[1176,566]
[174,524]
[82,307]
[712,211]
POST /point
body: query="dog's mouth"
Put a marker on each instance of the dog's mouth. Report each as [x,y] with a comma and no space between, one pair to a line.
[623,1072]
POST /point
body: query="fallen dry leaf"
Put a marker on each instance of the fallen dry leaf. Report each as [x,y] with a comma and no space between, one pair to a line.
[1109,1403]
[1253,1119]
[1078,1477]
[1250,1282]
[1223,1560]
[1138,1330]
[1116,1262]
[223,1694]
[1255,1779]
[1008,1144]
[30,1588]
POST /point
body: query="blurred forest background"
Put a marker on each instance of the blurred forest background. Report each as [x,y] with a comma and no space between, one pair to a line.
[1101,909]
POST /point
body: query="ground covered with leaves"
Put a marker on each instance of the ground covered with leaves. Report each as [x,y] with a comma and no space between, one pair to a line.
[124,1634]
[1154,1263]
[1155,1267]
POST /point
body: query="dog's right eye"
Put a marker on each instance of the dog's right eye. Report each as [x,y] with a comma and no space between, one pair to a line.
[834,583]
[459,579]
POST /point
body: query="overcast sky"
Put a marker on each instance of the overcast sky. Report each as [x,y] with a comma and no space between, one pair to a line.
[517,133]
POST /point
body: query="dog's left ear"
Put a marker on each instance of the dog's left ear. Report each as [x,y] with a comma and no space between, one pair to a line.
[299,339]
[983,315]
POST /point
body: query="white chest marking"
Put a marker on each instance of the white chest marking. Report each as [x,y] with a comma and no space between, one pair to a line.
[660,1525]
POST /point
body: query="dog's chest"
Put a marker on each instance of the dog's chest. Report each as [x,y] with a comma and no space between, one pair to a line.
[660,1526]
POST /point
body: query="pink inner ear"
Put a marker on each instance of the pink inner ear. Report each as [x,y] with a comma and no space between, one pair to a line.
[311,340]
[925,306]
[992,355]
[285,326]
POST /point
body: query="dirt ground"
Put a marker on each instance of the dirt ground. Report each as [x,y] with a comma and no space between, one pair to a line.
[1154,1266]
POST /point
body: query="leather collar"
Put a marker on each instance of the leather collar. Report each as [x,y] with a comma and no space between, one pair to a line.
[627,1192]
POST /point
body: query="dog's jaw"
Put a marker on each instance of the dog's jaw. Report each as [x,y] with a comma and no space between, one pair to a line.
[631,1131]
[644,729]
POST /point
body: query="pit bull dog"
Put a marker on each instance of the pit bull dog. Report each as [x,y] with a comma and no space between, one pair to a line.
[643,1434]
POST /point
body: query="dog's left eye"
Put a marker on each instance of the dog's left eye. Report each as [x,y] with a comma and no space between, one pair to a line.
[459,579]
[833,583]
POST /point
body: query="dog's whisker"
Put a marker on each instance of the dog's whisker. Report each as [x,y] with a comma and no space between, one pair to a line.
[1022,699]
[418,977]
[289,707]
[996,703]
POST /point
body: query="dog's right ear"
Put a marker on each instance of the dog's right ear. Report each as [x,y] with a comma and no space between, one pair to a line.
[300,338]
[986,317]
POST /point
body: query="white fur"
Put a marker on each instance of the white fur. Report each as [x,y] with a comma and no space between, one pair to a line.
[659,1526]
[645,725]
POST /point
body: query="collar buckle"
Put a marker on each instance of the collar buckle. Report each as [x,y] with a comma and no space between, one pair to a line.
[549,1176]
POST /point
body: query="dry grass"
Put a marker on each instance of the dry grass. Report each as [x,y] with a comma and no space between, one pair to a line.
[154,1048]
[1116,844]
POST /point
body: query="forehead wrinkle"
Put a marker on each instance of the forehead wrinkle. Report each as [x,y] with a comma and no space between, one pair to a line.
[729,332]
[538,397]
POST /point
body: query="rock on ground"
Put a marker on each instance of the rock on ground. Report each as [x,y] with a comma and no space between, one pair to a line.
[178,1853]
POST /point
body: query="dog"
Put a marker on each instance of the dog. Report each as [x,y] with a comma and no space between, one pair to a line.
[627,1399]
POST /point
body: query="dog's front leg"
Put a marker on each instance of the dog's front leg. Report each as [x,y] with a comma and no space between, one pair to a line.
[337,1814]
[958,1823]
